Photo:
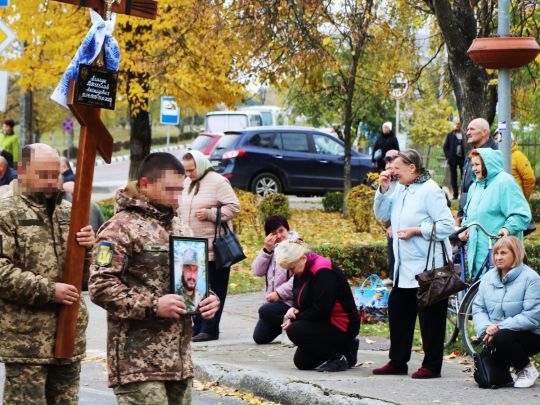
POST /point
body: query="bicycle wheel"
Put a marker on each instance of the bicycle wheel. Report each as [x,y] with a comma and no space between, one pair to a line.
[473,344]
[452,328]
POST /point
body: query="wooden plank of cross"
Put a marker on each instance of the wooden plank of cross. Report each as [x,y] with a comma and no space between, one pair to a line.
[94,137]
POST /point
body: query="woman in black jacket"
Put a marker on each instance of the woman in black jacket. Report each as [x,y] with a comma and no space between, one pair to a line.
[323,321]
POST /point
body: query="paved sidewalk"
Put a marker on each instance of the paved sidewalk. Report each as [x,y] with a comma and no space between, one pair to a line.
[268,371]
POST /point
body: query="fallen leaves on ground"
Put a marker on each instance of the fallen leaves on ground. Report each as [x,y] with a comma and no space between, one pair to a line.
[225,391]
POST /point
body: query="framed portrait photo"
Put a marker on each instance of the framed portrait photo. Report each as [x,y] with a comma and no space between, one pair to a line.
[189,270]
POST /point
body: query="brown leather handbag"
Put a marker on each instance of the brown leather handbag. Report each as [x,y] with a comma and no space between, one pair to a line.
[440,283]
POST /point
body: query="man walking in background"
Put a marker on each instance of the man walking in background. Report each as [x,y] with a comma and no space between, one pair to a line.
[454,150]
[9,142]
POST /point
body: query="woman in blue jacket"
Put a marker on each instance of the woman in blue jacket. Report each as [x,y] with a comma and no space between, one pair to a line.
[416,204]
[506,311]
[495,201]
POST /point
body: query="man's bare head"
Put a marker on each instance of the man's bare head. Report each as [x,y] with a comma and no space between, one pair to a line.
[477,132]
[39,169]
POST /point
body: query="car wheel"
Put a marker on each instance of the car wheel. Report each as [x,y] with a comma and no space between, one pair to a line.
[265,184]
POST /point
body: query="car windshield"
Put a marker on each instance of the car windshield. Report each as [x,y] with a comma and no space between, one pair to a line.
[327,146]
[266,117]
[201,142]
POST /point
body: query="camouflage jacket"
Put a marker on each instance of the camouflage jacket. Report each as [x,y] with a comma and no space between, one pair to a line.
[32,256]
[130,271]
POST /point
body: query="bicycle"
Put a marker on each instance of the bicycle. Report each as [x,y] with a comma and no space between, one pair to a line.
[459,314]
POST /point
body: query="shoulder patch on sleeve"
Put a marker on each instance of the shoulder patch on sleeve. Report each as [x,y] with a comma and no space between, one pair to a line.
[105,253]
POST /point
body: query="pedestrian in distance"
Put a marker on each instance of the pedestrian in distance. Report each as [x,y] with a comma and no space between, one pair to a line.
[148,330]
[386,141]
[205,191]
[478,138]
[279,281]
[66,170]
[454,151]
[413,208]
[506,311]
[323,321]
[495,201]
[9,142]
[34,228]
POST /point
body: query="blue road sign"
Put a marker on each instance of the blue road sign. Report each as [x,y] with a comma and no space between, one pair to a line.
[4,3]
[170,113]
[68,125]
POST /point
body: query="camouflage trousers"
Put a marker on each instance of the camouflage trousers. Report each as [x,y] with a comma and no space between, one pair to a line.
[155,393]
[42,384]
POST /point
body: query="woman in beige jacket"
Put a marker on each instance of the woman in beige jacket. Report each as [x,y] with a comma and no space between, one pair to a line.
[204,191]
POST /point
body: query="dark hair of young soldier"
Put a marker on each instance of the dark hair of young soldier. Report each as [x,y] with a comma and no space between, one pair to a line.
[155,163]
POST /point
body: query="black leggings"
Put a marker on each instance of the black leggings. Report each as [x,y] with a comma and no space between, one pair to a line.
[402,311]
[270,319]
[513,347]
[318,342]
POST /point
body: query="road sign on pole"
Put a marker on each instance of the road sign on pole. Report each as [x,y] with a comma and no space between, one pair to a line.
[4,3]
[6,36]
[170,113]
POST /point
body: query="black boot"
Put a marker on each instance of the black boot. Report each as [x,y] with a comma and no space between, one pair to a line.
[352,357]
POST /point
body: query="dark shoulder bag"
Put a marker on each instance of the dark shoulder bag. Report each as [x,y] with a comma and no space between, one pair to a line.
[440,283]
[488,373]
[227,249]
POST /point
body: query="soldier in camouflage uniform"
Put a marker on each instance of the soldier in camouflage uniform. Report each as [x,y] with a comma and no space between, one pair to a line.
[148,337]
[34,226]
[187,285]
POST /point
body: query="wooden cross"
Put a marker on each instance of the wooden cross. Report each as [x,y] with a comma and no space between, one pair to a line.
[94,137]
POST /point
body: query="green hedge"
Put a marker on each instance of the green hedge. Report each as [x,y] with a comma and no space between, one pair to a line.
[535,208]
[362,260]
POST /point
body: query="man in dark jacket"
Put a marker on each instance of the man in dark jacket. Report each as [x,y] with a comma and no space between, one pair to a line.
[385,142]
[477,137]
[454,150]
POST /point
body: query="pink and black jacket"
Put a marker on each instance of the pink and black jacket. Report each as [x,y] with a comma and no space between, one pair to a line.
[322,294]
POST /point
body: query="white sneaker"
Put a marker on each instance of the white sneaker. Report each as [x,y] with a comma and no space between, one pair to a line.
[526,377]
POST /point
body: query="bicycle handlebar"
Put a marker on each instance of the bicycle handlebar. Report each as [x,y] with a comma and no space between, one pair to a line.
[477,224]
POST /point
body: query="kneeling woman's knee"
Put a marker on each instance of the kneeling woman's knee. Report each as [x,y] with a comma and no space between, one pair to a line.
[502,339]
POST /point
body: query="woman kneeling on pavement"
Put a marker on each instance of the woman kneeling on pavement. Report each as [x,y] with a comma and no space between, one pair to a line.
[415,205]
[506,311]
[279,281]
[323,321]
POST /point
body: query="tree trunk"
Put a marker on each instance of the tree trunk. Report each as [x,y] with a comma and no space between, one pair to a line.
[27,122]
[140,137]
[459,26]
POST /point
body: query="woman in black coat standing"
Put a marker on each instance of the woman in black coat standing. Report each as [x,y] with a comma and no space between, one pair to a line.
[385,142]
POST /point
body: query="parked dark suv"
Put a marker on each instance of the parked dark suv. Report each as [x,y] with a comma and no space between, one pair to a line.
[295,160]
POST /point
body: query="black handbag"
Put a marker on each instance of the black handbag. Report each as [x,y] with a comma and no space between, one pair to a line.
[440,283]
[488,373]
[227,249]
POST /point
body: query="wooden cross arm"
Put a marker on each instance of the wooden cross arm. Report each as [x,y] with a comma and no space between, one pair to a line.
[137,8]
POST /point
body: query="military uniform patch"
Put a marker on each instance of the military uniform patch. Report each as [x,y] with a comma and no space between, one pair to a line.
[105,254]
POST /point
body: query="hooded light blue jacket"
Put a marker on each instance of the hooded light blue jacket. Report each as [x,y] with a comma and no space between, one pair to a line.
[496,202]
[410,206]
[512,303]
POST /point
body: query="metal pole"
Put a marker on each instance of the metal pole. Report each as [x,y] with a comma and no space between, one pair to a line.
[504,92]
[397,121]
[168,134]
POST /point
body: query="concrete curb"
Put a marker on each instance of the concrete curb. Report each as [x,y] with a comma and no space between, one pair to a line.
[277,389]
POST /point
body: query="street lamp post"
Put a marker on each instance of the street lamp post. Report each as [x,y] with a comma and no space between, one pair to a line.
[504,92]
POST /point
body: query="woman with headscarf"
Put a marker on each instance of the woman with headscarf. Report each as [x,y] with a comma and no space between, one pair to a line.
[205,191]
[413,208]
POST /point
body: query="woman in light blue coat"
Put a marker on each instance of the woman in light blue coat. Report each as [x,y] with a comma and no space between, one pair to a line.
[412,208]
[496,202]
[506,310]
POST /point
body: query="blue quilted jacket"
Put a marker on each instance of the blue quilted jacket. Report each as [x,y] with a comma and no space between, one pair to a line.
[513,302]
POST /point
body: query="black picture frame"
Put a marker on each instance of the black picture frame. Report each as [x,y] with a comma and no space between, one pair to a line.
[192,250]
